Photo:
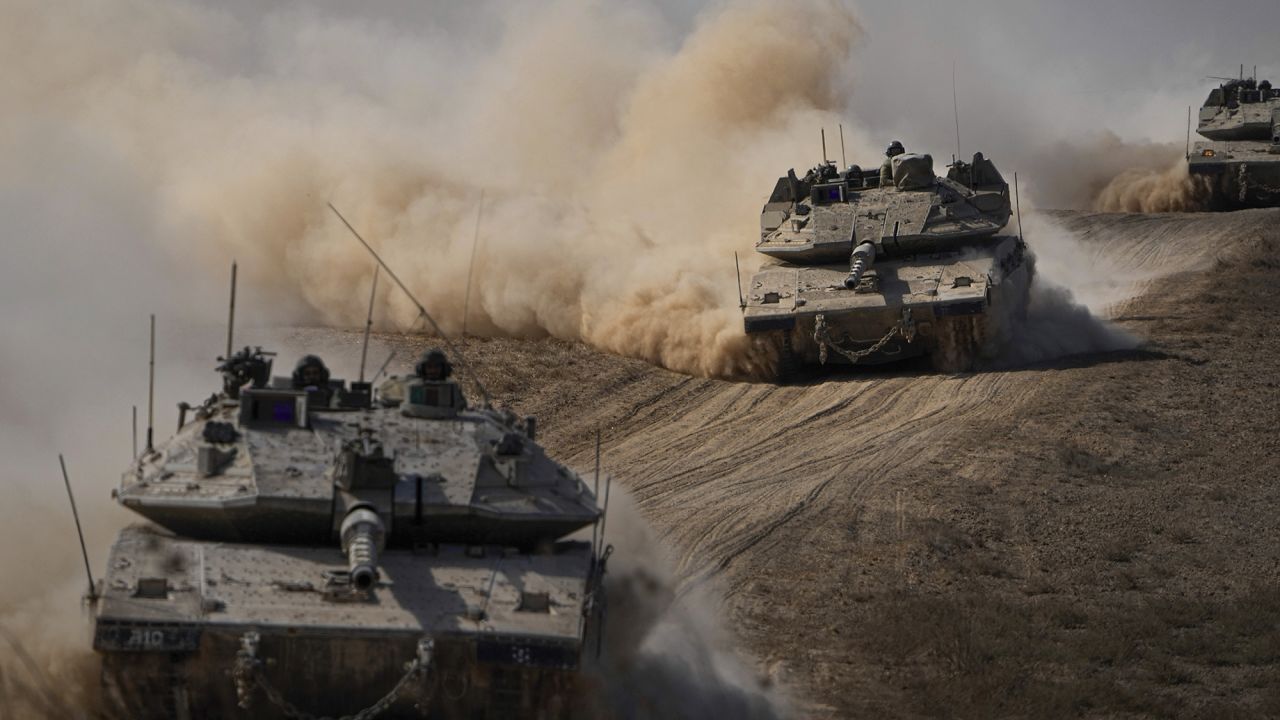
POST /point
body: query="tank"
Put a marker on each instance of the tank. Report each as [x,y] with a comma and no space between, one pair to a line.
[870,273]
[318,547]
[1240,158]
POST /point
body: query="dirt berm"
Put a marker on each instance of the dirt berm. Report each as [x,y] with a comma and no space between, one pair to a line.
[1094,536]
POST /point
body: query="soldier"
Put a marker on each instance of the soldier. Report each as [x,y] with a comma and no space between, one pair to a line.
[429,392]
[886,169]
[434,366]
[310,374]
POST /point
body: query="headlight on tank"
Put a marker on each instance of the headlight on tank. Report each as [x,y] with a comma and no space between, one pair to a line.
[1207,152]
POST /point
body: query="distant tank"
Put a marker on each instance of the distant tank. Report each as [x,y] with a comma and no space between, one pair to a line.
[874,274]
[1241,160]
[319,548]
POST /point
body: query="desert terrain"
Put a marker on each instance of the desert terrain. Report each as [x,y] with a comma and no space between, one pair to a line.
[1089,536]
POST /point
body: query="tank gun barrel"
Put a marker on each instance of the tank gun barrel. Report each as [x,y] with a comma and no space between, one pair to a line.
[363,538]
[863,257]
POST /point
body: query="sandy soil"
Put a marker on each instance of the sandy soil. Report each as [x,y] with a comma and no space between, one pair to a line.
[1089,537]
[1093,536]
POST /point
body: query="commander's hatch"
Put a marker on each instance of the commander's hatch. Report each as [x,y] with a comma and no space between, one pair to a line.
[268,407]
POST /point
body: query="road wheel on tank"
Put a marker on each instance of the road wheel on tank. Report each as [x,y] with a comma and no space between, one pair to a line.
[959,340]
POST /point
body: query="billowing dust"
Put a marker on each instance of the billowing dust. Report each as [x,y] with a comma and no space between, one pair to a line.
[1172,189]
[665,653]
[621,161]
[1108,174]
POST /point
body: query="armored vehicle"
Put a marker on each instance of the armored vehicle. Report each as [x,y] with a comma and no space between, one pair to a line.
[320,547]
[874,273]
[1241,160]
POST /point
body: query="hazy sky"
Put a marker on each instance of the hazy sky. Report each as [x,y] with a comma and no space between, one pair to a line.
[1052,70]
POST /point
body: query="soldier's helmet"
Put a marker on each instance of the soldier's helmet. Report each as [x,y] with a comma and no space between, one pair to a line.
[310,372]
[434,365]
[895,148]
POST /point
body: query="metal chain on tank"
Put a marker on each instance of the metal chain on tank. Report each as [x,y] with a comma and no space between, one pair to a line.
[247,673]
[822,336]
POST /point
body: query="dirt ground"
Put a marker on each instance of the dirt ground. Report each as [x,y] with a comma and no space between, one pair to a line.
[1094,536]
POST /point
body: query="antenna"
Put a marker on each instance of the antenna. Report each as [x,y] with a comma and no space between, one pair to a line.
[383,369]
[368,321]
[151,387]
[596,528]
[1241,72]
[1018,203]
[231,314]
[66,479]
[843,161]
[604,511]
[824,145]
[955,108]
[597,488]
[1188,132]
[488,401]
[475,242]
[737,274]
[135,432]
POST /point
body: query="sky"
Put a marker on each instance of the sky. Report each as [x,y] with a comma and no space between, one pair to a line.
[1052,70]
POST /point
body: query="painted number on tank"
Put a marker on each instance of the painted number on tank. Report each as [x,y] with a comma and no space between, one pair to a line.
[144,639]
[119,637]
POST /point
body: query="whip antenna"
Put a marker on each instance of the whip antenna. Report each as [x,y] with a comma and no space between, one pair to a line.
[843,161]
[66,479]
[151,388]
[955,109]
[422,310]
[737,272]
[1018,204]
[475,242]
[231,313]
[1188,132]
[368,322]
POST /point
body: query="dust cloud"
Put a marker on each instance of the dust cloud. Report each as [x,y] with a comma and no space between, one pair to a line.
[621,158]
[665,653]
[1172,189]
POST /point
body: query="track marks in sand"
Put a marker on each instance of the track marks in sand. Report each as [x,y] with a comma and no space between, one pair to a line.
[727,473]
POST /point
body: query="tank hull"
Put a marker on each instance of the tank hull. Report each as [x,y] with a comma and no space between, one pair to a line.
[956,307]
[172,624]
[1239,175]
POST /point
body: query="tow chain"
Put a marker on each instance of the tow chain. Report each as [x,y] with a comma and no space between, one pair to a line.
[247,674]
[1263,190]
[822,336]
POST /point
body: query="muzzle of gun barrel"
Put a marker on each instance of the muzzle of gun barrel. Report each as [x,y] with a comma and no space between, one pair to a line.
[363,537]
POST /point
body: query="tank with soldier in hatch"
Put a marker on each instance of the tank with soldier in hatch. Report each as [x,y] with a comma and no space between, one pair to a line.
[322,547]
[883,265]
[1240,159]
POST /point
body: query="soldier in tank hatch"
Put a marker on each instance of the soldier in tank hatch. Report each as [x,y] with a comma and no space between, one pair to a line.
[312,375]
[886,168]
[434,366]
